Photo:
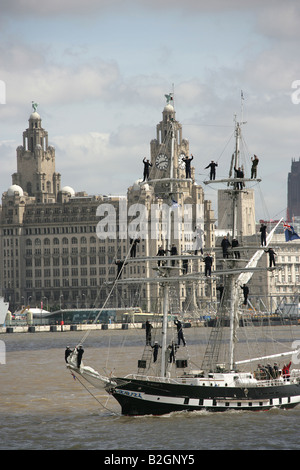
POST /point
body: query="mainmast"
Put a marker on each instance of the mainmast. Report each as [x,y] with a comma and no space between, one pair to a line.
[168,246]
[235,183]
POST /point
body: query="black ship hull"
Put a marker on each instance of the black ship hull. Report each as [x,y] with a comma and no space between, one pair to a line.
[139,397]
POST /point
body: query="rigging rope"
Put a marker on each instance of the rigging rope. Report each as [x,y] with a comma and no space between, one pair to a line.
[164,143]
[101,404]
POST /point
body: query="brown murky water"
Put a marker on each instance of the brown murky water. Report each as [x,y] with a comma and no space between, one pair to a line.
[43,407]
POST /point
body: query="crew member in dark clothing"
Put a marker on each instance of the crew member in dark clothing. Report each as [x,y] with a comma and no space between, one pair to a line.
[68,351]
[119,264]
[246,293]
[187,162]
[185,266]
[133,244]
[235,244]
[255,161]
[239,174]
[173,252]
[220,288]
[212,167]
[148,333]
[172,351]
[225,244]
[208,260]
[271,257]
[155,348]
[276,370]
[263,235]
[161,252]
[179,332]
[270,371]
[147,165]
[80,352]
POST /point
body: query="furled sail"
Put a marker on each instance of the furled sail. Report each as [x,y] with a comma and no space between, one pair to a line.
[246,276]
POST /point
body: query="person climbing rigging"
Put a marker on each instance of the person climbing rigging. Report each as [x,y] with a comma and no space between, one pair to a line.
[179,332]
[255,161]
[245,290]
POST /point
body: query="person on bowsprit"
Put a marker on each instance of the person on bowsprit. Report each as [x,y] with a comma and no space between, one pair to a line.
[212,166]
[245,290]
[147,165]
[263,235]
[271,257]
[68,352]
[80,352]
[255,161]
[187,162]
[180,336]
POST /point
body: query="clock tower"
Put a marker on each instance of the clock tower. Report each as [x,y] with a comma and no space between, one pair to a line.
[167,162]
[36,173]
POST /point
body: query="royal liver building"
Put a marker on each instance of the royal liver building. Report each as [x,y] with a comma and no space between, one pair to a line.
[65,247]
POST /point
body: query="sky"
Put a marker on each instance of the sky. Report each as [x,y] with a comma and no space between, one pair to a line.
[99,70]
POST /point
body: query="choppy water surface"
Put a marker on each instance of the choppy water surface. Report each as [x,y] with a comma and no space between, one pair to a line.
[43,407]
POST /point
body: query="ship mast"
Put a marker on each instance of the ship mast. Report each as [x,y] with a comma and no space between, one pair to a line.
[168,247]
[233,278]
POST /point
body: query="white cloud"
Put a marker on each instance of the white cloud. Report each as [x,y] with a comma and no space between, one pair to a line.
[101,95]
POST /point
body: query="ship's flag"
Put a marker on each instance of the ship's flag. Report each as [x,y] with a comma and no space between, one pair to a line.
[290,233]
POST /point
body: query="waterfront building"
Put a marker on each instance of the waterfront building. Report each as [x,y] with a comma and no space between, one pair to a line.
[293,190]
[52,250]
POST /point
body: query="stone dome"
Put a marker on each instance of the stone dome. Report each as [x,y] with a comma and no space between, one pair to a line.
[35,116]
[15,189]
[169,108]
[68,189]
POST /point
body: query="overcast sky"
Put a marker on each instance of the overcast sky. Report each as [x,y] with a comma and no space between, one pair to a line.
[99,70]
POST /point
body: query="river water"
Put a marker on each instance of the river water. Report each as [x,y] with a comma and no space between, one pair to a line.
[43,407]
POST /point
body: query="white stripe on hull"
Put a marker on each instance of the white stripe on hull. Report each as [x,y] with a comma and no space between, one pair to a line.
[230,403]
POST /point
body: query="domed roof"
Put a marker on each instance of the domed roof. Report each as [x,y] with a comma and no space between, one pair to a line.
[169,108]
[15,189]
[34,116]
[68,189]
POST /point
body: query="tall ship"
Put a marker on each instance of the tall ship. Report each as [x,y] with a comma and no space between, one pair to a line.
[165,379]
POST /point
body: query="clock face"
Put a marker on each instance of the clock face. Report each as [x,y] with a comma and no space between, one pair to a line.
[181,163]
[162,161]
